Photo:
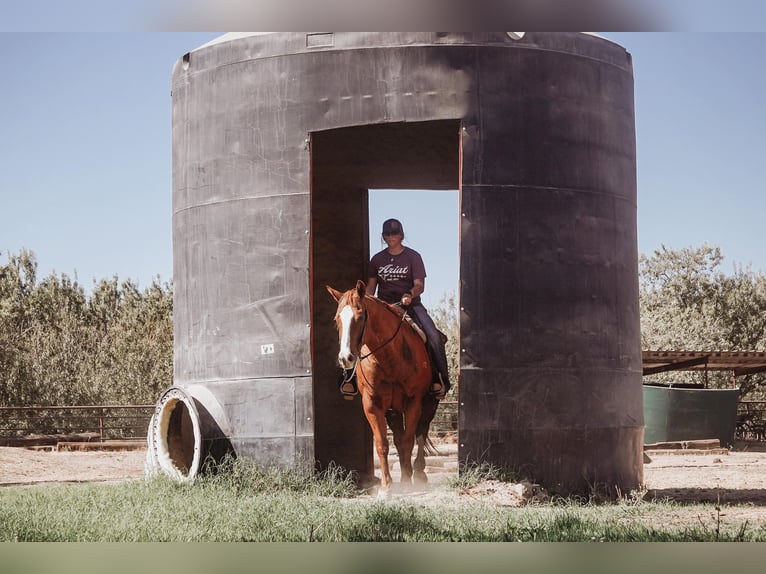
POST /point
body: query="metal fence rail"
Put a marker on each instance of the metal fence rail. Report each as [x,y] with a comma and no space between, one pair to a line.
[445,420]
[114,422]
[751,420]
[105,422]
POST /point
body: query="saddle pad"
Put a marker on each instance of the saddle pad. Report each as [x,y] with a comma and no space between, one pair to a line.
[416,328]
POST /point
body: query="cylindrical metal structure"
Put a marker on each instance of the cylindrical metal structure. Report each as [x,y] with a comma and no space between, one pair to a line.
[276,140]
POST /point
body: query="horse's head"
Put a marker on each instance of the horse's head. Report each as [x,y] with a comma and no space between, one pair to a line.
[350,318]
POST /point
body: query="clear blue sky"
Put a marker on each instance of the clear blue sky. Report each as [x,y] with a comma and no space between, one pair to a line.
[85,157]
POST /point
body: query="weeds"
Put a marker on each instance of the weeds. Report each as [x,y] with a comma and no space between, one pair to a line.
[471,475]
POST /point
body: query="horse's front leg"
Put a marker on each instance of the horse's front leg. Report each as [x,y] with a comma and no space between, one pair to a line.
[377,419]
[411,417]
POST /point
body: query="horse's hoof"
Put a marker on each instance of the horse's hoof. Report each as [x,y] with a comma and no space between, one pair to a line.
[421,477]
[384,495]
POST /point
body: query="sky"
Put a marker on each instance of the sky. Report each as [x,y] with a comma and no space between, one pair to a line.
[85,153]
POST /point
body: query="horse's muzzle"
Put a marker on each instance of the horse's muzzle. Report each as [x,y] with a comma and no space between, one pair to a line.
[346,360]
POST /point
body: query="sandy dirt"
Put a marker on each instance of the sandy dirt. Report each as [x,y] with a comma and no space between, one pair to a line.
[27,467]
[736,479]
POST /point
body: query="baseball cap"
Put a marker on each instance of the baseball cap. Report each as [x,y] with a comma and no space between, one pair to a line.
[392,227]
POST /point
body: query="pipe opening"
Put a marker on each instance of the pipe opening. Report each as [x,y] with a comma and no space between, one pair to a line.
[176,437]
[180,438]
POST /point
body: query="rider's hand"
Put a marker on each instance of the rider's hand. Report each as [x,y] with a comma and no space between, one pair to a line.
[406,299]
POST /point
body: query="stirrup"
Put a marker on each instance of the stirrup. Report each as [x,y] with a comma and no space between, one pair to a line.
[438,389]
[348,389]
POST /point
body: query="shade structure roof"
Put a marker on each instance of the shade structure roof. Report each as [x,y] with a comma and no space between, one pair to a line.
[739,362]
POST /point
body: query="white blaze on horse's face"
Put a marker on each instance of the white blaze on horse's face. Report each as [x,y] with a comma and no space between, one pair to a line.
[346,356]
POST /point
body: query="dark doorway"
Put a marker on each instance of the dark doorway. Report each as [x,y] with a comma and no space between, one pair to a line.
[345,164]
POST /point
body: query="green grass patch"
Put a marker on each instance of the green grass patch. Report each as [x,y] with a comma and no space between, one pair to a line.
[249,503]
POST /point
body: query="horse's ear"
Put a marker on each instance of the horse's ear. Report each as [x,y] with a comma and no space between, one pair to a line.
[361,288]
[334,292]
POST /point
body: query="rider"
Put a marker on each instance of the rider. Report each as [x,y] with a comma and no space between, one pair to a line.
[399,275]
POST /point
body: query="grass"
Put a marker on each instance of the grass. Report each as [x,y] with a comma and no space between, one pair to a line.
[474,474]
[248,503]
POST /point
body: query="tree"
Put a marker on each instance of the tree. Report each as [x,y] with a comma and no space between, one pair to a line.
[446,320]
[60,346]
[17,280]
[688,303]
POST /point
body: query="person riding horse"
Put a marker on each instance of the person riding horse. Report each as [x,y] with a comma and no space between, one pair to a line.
[398,273]
[394,377]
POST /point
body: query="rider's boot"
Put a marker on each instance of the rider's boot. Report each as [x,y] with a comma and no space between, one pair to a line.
[439,387]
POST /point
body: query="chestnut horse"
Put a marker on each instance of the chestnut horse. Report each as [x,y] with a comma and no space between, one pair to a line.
[393,374]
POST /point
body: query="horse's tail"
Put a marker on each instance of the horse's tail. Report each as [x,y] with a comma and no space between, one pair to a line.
[429,448]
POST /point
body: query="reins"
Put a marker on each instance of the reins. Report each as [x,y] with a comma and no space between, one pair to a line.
[387,341]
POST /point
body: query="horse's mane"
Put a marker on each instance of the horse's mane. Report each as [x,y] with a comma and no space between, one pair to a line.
[395,309]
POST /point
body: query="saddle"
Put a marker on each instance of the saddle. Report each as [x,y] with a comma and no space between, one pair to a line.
[416,327]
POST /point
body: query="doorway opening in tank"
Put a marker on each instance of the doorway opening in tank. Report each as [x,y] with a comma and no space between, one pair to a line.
[430,220]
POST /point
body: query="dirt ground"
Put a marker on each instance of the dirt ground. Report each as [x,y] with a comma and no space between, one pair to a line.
[735,479]
[28,467]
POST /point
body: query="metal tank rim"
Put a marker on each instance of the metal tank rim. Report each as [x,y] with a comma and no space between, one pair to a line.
[232,36]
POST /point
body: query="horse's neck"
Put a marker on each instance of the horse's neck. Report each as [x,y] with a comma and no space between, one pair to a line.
[382,323]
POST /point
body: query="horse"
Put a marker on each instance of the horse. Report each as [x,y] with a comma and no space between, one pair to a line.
[394,375]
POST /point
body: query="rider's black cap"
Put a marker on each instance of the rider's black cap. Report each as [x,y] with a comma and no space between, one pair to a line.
[392,227]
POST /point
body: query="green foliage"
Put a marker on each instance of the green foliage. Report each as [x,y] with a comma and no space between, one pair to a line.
[61,346]
[446,319]
[688,303]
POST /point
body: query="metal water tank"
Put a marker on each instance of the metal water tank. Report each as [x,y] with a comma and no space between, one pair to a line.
[276,140]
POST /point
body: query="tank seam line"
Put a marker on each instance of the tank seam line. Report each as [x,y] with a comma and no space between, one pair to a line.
[548,188]
[271,196]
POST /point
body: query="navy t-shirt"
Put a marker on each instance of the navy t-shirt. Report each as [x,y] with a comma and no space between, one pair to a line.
[396,274]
